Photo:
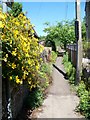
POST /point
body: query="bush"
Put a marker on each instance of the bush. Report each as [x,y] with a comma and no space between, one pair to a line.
[65,58]
[84,104]
[46,68]
[72,77]
[35,98]
[81,88]
[21,52]
[70,70]
[45,75]
[53,56]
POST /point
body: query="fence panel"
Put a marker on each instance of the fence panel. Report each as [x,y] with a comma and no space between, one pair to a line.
[71,49]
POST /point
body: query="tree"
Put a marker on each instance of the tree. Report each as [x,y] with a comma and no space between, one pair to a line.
[41,38]
[62,33]
[16,9]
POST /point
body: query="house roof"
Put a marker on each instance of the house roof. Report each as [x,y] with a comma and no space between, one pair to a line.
[35,34]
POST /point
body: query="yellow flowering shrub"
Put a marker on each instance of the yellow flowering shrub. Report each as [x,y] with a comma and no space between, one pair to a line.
[20,50]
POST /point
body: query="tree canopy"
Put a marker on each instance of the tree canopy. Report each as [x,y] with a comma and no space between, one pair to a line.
[16,9]
[63,33]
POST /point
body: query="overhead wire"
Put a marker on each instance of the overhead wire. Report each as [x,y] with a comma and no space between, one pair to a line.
[39,10]
[66,10]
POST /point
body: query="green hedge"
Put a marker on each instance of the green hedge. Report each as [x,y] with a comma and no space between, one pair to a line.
[70,70]
[84,104]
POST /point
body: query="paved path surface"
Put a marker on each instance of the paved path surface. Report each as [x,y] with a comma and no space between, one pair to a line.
[61,102]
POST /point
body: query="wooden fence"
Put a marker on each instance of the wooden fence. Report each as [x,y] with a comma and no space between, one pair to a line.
[72,52]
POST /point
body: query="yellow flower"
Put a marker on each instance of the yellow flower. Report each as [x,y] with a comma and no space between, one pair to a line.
[25,72]
[15,32]
[10,77]
[3,16]
[18,81]
[13,66]
[10,41]
[24,17]
[27,55]
[17,23]
[5,59]
[41,59]
[3,37]
[37,67]
[6,55]
[24,77]
[29,62]
[29,82]
[1,24]
[19,57]
[14,53]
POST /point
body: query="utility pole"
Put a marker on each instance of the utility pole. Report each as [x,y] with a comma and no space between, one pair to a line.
[78,42]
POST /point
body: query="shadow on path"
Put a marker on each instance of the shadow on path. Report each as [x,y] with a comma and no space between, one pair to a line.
[64,74]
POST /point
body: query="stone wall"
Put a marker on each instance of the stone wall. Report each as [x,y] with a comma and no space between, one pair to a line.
[17,98]
[18,95]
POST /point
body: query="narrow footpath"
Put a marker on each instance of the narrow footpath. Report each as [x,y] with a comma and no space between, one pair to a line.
[61,102]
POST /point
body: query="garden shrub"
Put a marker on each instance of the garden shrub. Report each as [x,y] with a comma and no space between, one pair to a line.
[20,50]
[45,75]
[81,88]
[65,58]
[72,77]
[35,98]
[46,68]
[84,104]
[70,70]
[53,56]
